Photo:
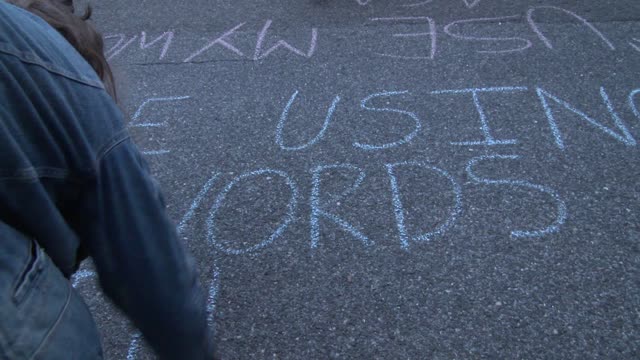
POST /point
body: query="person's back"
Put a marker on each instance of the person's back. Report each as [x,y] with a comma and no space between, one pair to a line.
[73,184]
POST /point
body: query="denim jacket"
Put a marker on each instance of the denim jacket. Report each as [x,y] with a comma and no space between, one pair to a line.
[72,179]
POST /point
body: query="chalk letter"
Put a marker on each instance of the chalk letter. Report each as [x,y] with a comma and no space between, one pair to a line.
[526,43]
[136,116]
[259,54]
[584,21]
[219,41]
[119,46]
[155,152]
[316,205]
[196,203]
[433,34]
[283,119]
[417,4]
[288,218]
[626,137]
[167,42]
[471,3]
[489,140]
[121,38]
[635,44]
[406,139]
[134,345]
[214,288]
[400,211]
[81,275]
[562,208]
[632,102]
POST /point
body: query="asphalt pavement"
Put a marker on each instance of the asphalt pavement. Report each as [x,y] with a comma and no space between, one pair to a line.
[444,179]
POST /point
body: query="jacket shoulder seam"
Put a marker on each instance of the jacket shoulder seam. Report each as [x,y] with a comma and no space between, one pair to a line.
[32,59]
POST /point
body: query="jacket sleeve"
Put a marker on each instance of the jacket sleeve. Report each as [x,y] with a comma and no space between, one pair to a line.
[142,266]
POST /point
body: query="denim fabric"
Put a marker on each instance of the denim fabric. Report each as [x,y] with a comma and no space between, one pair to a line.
[42,315]
[73,181]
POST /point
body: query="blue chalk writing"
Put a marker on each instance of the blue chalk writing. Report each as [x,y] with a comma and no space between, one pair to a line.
[352,188]
[136,115]
[291,208]
[81,275]
[285,115]
[626,137]
[635,44]
[211,298]
[134,345]
[561,206]
[156,152]
[317,211]
[399,207]
[215,281]
[196,203]
[418,3]
[632,102]
[584,21]
[406,139]
[489,140]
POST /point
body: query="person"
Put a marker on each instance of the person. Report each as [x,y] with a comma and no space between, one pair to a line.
[72,185]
